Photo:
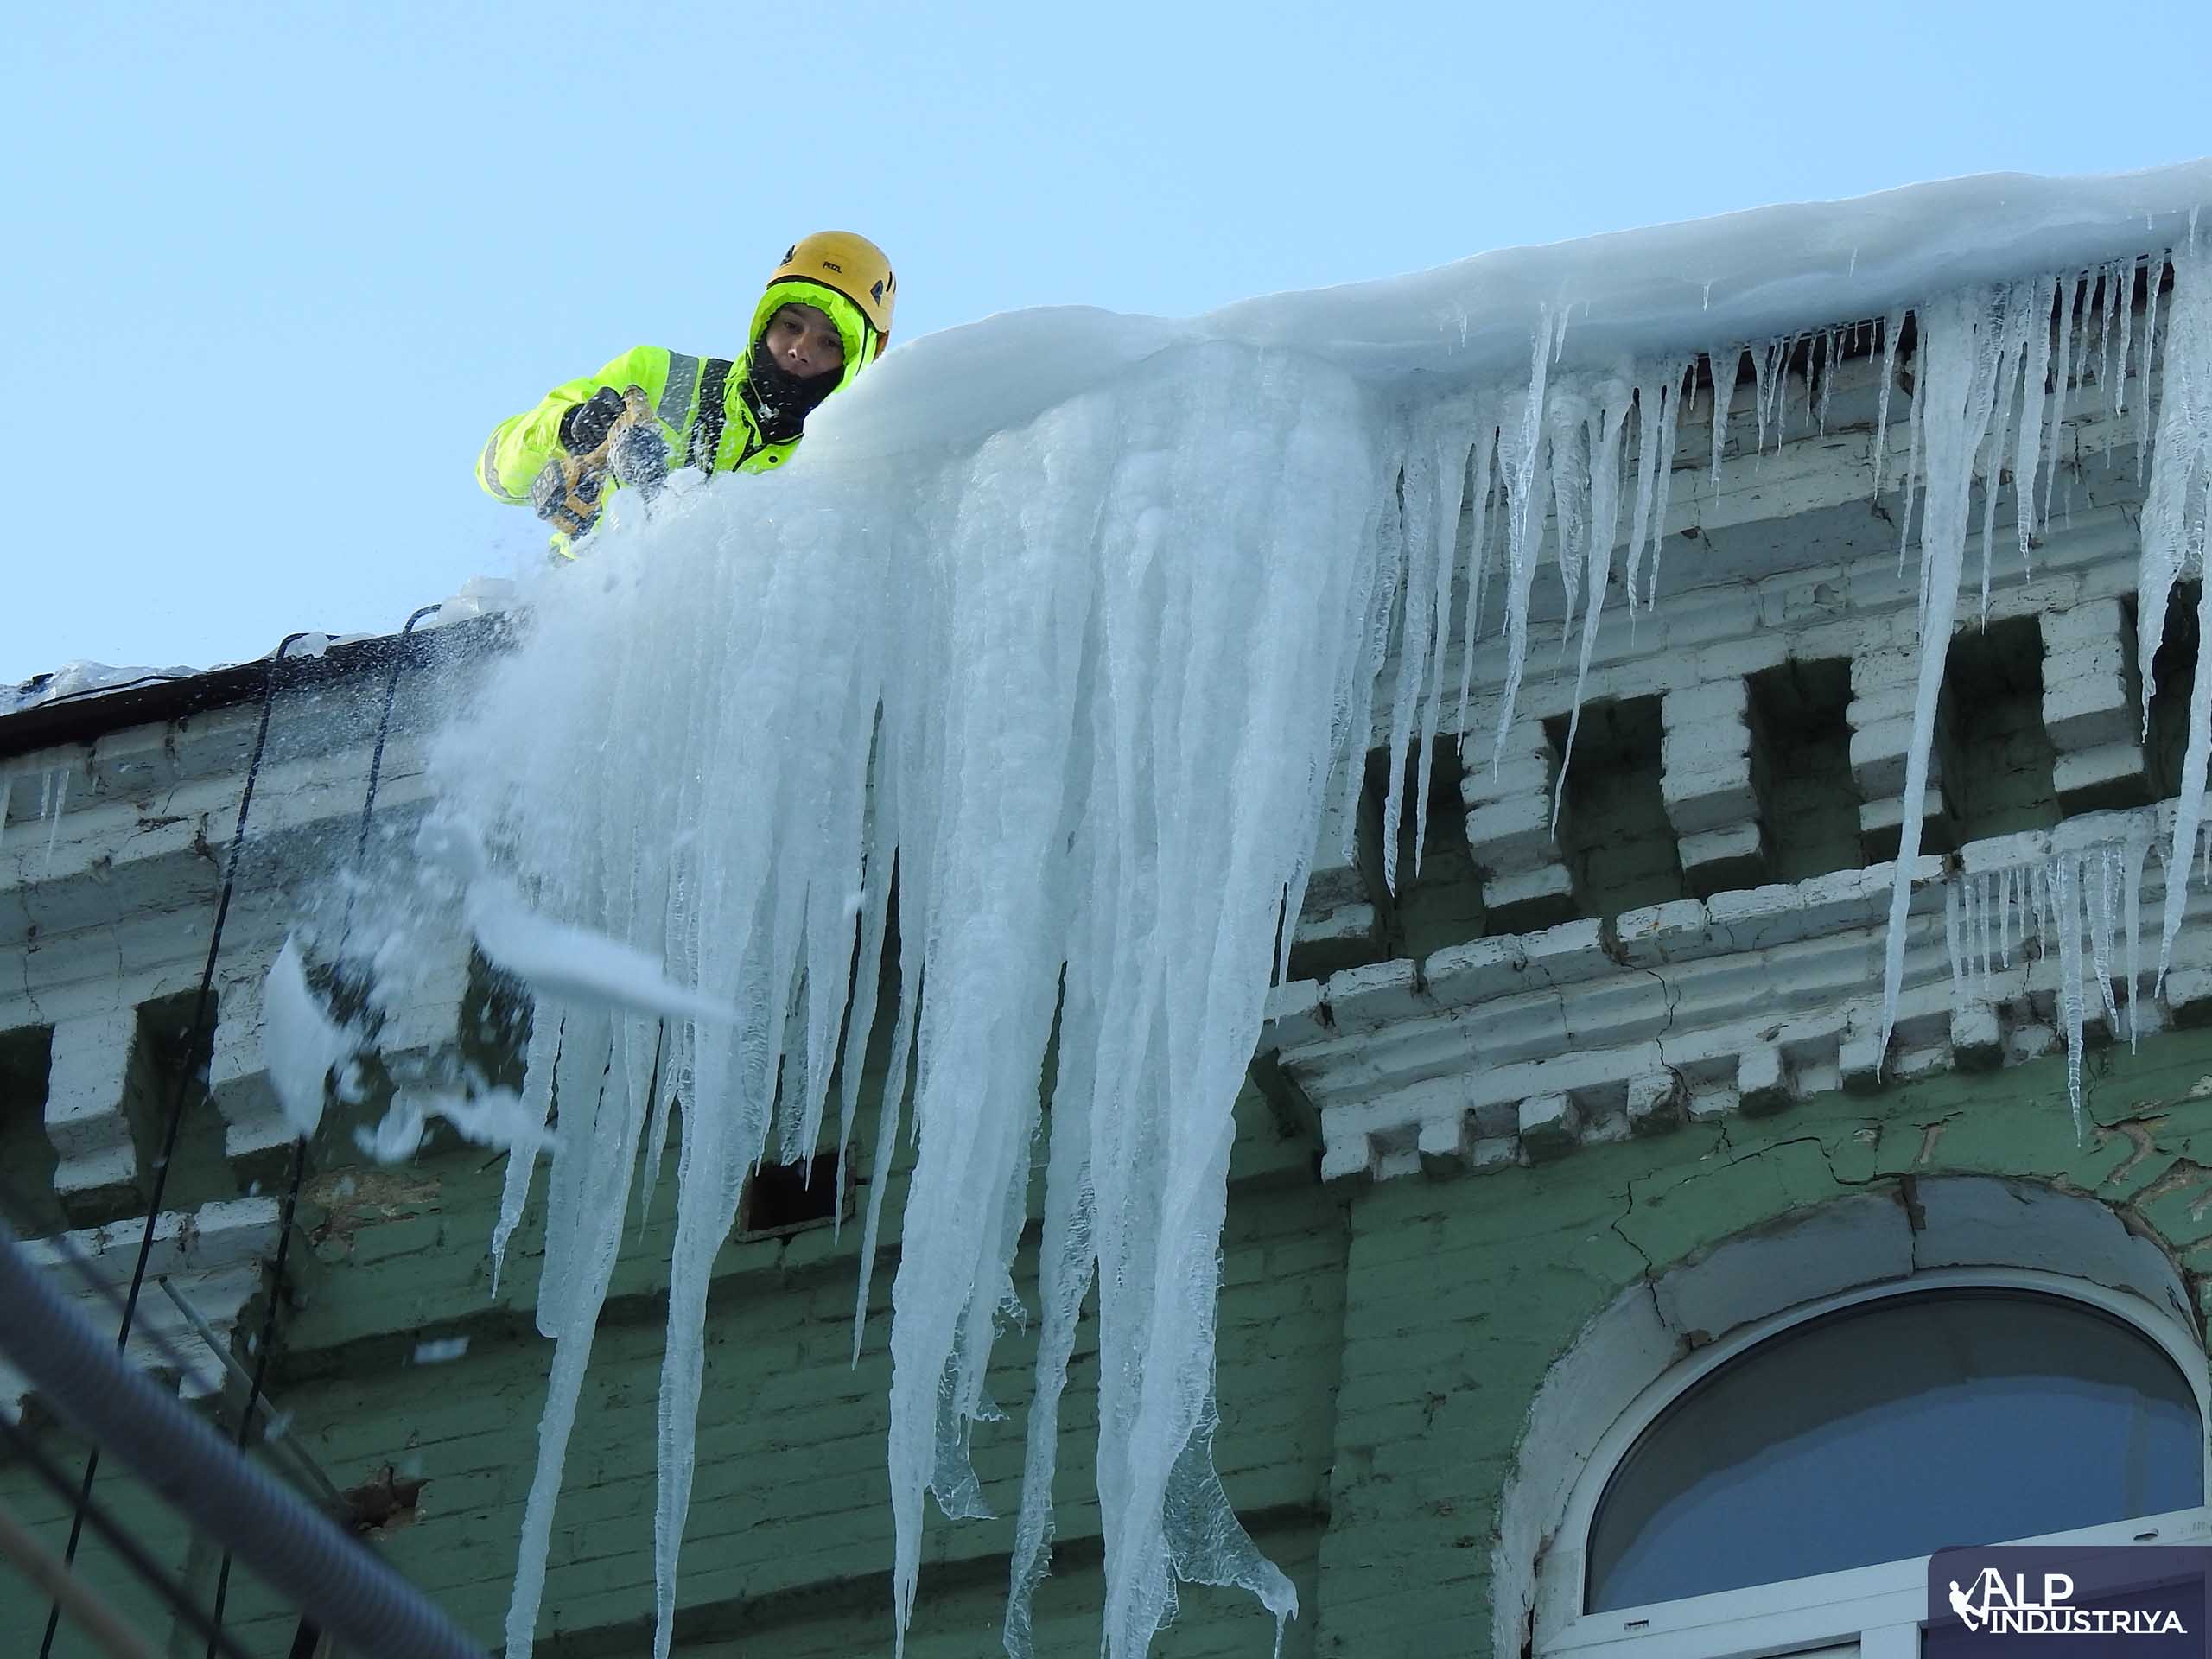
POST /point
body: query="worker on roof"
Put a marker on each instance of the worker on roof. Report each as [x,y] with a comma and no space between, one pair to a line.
[824,316]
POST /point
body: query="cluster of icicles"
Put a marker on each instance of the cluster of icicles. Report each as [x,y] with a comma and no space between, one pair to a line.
[2082,907]
[1082,692]
[1998,372]
[53,801]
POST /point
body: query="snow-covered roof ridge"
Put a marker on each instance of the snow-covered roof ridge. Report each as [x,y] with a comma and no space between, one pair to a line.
[84,681]
[1663,289]
[81,679]
[1740,274]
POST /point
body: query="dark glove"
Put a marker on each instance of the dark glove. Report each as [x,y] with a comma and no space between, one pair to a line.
[566,495]
[584,427]
[639,456]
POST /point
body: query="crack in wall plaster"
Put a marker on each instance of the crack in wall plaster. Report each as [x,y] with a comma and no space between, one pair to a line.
[1915,1213]
[1649,1275]
[1827,1148]
[1673,993]
[2136,1133]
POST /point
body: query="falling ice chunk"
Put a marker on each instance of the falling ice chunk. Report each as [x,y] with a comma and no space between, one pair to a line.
[300,1043]
[440,1350]
[576,964]
[397,1138]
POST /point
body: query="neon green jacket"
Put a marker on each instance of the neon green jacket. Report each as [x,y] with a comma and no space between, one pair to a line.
[698,401]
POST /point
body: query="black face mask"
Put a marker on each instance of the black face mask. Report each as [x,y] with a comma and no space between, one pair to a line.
[781,400]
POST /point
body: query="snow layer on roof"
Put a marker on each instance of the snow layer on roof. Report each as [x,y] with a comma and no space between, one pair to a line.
[1740,276]
[1669,288]
[80,679]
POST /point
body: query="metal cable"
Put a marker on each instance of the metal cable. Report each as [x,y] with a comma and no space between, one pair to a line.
[300,1147]
[351,1594]
[200,1031]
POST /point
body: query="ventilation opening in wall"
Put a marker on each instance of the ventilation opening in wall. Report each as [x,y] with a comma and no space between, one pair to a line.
[1441,903]
[2173,671]
[172,1055]
[26,1156]
[1800,769]
[783,1198]
[1613,831]
[1997,757]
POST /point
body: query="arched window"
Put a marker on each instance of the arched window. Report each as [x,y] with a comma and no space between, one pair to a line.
[1782,1489]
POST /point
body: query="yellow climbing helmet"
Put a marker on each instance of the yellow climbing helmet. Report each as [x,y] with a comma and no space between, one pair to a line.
[847,264]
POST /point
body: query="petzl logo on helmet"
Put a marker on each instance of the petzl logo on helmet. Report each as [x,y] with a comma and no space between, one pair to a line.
[2090,1601]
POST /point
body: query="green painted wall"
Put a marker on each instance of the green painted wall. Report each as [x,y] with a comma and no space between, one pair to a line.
[1459,1295]
[789,1545]
[1381,1344]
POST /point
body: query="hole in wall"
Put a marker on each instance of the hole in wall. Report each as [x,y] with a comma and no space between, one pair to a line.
[783,1198]
[1800,769]
[1614,835]
[1998,758]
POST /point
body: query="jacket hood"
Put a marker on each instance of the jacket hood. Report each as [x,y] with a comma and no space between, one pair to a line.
[854,331]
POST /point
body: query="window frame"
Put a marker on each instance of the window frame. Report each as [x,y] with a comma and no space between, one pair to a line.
[1881,1607]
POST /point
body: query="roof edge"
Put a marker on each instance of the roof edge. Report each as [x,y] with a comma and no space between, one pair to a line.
[88,716]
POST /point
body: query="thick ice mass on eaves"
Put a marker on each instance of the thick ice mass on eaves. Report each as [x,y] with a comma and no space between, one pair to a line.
[1065,622]
[1076,689]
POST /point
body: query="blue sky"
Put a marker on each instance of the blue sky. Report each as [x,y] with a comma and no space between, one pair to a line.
[273,273]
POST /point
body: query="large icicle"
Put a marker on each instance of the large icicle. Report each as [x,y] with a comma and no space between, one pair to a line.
[1433,476]
[1520,443]
[1479,494]
[2019,312]
[2061,382]
[2176,515]
[1658,415]
[2153,296]
[1892,332]
[1460,417]
[1960,337]
[2085,899]
[1605,421]
[1725,364]
[2027,457]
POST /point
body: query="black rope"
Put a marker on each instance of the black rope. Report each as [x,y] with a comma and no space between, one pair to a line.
[307,1631]
[200,1032]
